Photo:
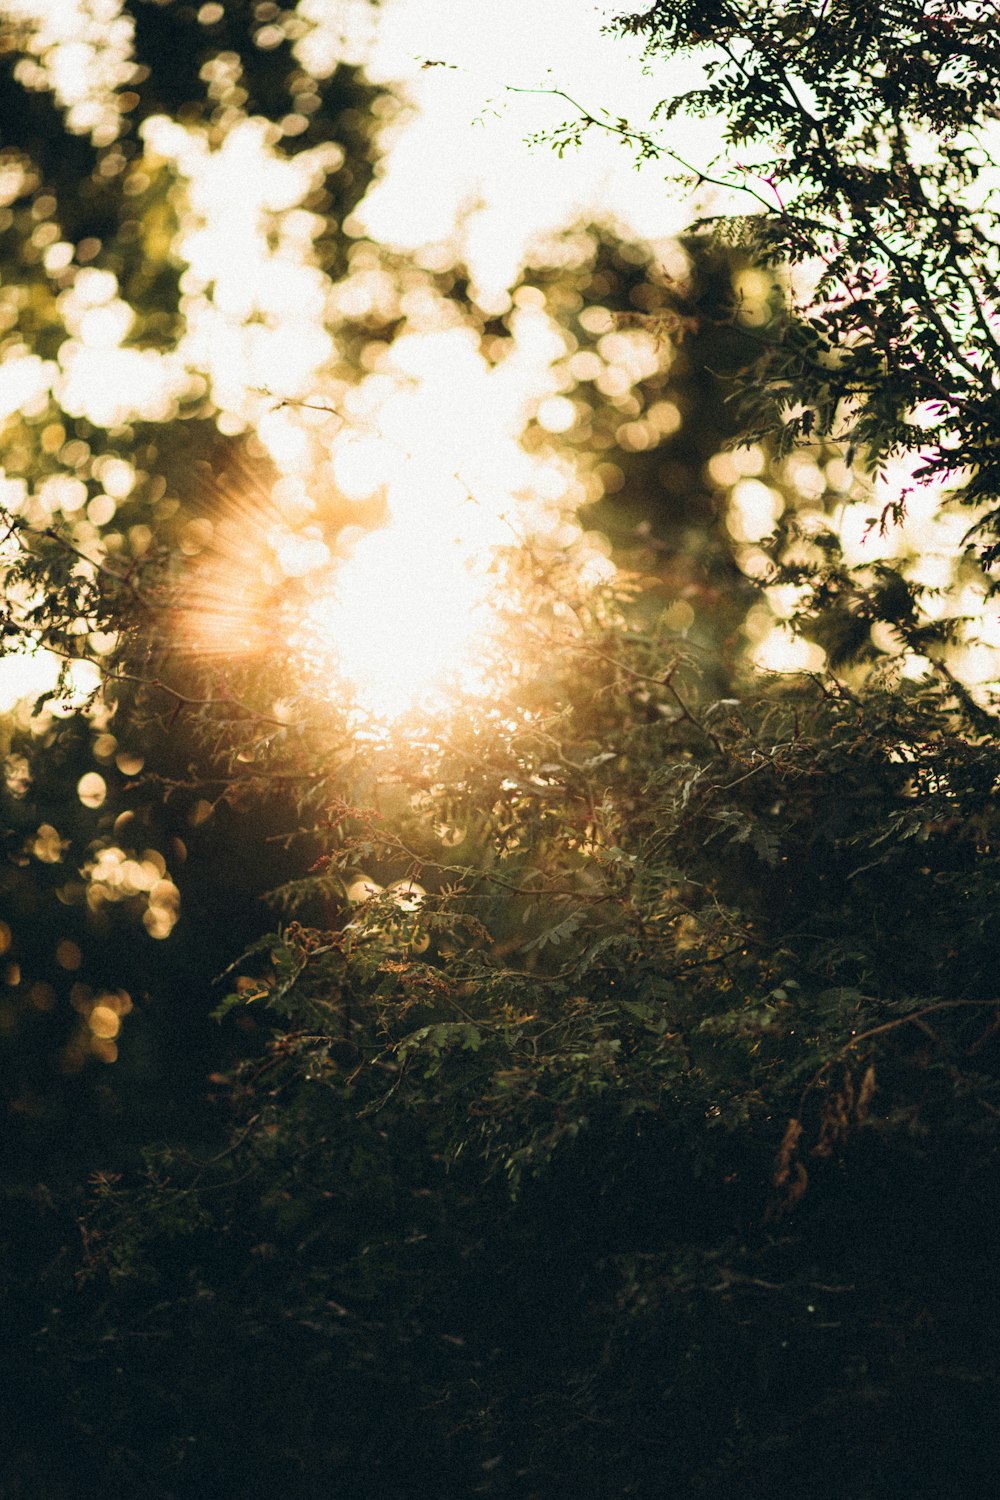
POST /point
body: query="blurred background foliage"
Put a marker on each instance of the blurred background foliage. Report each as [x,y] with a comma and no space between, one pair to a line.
[85,869]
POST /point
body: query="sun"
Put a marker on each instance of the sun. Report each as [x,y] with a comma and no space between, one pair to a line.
[407,621]
[403,618]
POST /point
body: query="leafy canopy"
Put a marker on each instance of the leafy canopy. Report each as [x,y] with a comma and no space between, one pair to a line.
[861,139]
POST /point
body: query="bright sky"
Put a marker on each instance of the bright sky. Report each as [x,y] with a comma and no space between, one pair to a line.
[463,162]
[436,426]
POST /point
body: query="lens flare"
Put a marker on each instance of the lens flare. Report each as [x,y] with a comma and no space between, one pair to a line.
[406,620]
[376,561]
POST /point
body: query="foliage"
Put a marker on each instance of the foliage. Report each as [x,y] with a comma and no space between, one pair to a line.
[125,494]
[676,1041]
[856,160]
[618,1095]
[868,134]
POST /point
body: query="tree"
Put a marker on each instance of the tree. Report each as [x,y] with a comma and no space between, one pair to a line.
[856,161]
[112,461]
[623,1114]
